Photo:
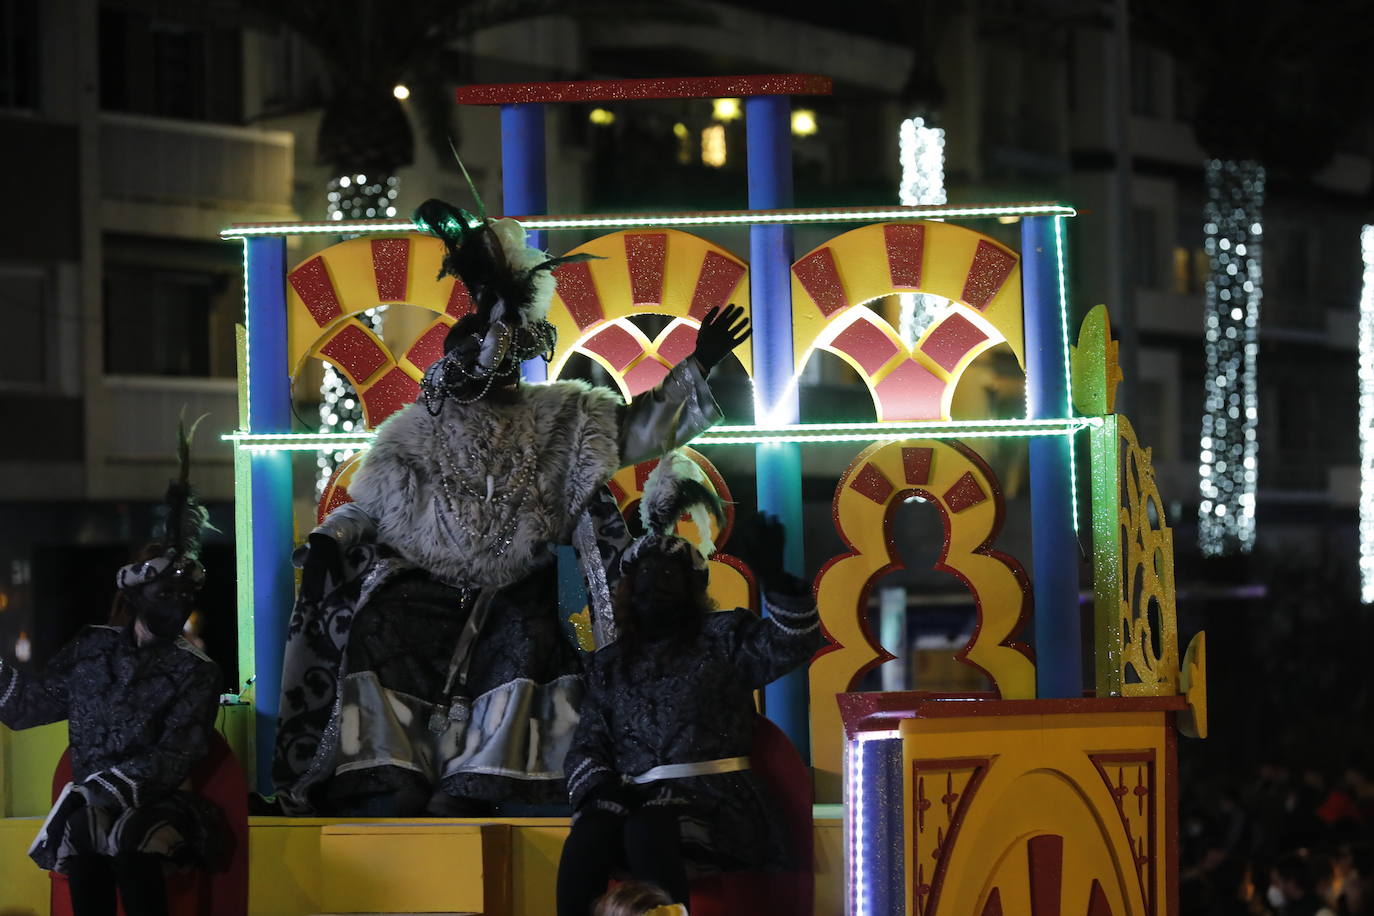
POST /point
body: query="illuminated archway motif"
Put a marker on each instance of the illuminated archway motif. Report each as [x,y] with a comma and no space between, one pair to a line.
[336,488]
[664,272]
[731,583]
[966,493]
[981,277]
[327,291]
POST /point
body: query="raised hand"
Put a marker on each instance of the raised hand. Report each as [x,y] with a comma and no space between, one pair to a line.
[758,539]
[721,331]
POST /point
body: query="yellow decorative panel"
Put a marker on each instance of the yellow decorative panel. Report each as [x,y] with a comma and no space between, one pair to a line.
[1095,369]
[963,488]
[351,277]
[1193,683]
[444,868]
[981,277]
[24,887]
[1040,807]
[326,293]
[658,271]
[1133,569]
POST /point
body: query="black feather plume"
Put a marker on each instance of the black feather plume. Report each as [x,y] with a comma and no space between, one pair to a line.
[184,519]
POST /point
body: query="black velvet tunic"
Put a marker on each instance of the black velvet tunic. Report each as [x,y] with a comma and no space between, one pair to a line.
[138,720]
[675,702]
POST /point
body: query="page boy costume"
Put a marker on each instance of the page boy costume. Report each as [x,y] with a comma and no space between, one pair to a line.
[659,770]
[140,709]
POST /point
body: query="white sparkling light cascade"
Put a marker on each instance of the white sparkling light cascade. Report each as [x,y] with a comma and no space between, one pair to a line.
[1229,453]
[922,152]
[1366,370]
[351,197]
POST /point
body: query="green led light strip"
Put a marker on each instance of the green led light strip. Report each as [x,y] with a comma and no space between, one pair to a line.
[664,220]
[299,442]
[734,435]
[1062,272]
[877,432]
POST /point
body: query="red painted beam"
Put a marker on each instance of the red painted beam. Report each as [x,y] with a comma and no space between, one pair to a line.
[671,88]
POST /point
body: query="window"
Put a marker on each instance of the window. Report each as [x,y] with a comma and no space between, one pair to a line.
[1291,255]
[179,60]
[1288,257]
[1148,414]
[1190,261]
[168,322]
[1190,269]
[18,54]
[23,335]
[157,65]
[291,79]
[1145,248]
[1144,81]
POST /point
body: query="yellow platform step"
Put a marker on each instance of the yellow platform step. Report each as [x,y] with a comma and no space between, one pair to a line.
[288,876]
[415,867]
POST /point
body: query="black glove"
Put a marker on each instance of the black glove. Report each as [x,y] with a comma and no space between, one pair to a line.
[720,333]
[323,561]
[758,539]
[609,792]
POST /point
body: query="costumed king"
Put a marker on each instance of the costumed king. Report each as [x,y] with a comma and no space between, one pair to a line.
[658,773]
[140,704]
[426,667]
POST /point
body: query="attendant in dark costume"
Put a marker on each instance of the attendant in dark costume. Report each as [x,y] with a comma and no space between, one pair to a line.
[659,768]
[140,704]
[426,668]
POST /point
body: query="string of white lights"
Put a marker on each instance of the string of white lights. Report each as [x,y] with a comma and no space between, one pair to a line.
[1229,454]
[922,152]
[816,433]
[351,198]
[1366,371]
[668,220]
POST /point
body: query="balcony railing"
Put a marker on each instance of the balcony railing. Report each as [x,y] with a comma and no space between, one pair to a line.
[165,161]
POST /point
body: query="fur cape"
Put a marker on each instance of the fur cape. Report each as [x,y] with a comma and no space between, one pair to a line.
[567,431]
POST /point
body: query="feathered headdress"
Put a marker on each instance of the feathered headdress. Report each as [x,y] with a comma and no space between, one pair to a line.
[182,524]
[676,487]
[511,286]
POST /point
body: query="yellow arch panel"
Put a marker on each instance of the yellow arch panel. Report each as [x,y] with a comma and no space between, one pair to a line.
[862,257]
[677,269]
[348,274]
[831,283]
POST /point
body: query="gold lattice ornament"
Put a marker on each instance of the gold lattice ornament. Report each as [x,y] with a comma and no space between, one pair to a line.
[1137,626]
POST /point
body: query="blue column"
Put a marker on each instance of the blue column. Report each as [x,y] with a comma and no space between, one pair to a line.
[1054,542]
[769,135]
[269,411]
[524,182]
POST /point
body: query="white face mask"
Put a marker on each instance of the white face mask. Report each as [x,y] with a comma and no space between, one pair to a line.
[1275,896]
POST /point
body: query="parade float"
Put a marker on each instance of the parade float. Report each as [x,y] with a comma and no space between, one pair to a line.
[1034,795]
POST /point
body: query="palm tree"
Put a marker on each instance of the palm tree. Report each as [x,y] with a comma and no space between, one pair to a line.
[1271,79]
